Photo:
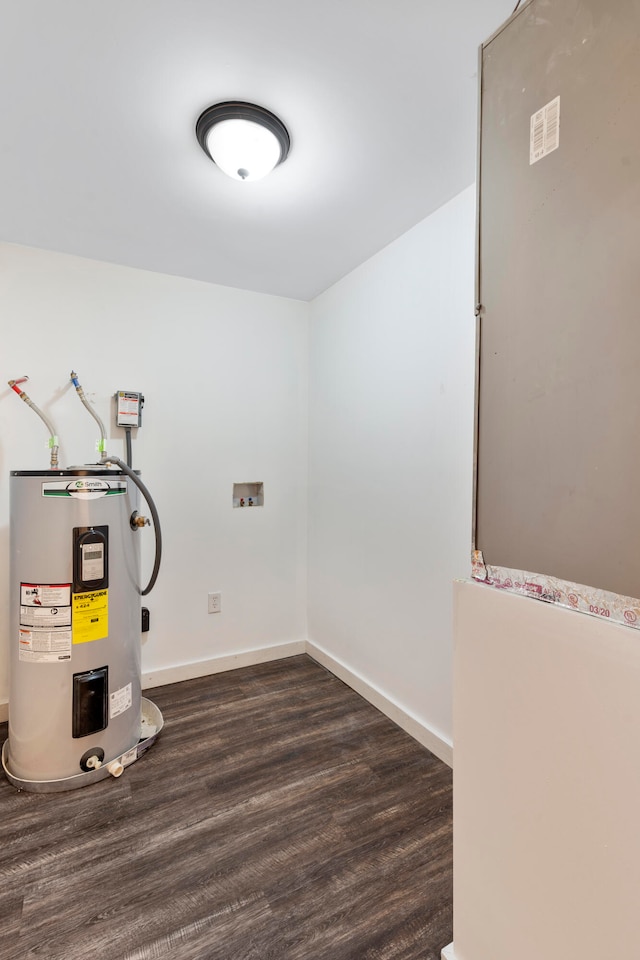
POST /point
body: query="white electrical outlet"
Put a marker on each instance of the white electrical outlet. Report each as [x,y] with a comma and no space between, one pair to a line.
[215,602]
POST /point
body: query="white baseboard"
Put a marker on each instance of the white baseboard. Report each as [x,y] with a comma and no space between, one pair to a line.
[442,748]
[205,668]
[448,953]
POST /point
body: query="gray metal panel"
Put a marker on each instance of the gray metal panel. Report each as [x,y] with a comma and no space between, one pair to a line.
[558,482]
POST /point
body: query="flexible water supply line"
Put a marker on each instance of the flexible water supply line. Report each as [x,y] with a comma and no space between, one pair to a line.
[102,447]
[53,439]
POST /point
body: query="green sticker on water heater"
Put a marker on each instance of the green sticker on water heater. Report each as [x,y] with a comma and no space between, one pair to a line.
[84,489]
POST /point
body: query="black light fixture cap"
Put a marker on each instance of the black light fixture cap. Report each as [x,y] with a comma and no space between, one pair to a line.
[241,110]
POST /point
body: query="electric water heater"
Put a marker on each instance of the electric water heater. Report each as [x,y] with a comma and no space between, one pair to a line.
[76,711]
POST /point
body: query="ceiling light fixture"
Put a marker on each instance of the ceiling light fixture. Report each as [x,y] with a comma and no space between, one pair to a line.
[244,140]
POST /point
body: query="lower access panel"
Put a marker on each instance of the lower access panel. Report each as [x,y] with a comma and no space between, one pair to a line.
[90,700]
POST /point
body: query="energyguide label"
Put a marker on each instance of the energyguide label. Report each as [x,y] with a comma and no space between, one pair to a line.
[90,616]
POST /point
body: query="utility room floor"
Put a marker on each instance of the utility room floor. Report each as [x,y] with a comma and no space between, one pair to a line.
[279,816]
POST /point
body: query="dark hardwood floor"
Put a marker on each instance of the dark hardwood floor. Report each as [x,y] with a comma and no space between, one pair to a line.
[279,816]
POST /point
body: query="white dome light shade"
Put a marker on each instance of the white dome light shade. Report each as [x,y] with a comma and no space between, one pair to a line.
[244,140]
[243,149]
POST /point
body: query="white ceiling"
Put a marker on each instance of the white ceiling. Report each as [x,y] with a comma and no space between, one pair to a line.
[98,155]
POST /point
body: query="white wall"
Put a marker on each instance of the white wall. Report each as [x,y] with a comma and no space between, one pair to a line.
[391,376]
[391,437]
[546,781]
[224,373]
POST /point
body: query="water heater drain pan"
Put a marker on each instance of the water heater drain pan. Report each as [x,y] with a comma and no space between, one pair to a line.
[150,727]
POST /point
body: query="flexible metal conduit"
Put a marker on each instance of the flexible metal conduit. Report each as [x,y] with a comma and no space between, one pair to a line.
[107,459]
[53,439]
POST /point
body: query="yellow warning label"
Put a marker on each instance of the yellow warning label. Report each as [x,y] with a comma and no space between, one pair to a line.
[90,616]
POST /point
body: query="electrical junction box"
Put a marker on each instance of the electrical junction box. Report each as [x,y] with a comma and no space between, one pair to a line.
[129,406]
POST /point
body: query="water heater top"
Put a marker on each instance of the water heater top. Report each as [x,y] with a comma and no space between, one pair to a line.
[89,470]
